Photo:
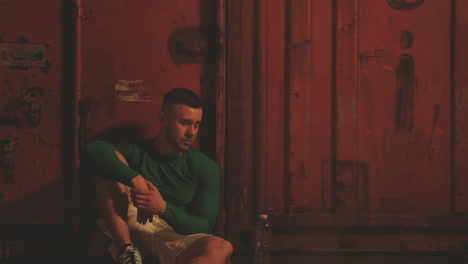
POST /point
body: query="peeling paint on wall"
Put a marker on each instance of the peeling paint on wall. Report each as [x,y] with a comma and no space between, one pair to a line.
[191,45]
[33,101]
[22,55]
[404,5]
[31,105]
[375,56]
[406,40]
[431,149]
[460,99]
[134,90]
[404,104]
[7,158]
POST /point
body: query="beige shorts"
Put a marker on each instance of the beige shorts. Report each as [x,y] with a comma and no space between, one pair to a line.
[154,239]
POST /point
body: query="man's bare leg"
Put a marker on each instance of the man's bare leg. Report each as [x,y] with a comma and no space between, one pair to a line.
[112,202]
[209,249]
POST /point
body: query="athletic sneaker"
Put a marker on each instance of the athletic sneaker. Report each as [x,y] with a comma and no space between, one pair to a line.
[129,254]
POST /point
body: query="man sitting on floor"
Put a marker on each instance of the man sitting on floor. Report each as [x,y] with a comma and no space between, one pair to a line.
[161,194]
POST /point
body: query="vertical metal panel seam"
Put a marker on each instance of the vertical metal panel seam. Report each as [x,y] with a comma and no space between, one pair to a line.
[78,73]
[75,189]
[221,103]
[334,104]
[256,106]
[287,117]
[357,72]
[453,20]
[226,109]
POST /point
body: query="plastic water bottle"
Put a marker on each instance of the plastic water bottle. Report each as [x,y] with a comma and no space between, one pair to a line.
[262,240]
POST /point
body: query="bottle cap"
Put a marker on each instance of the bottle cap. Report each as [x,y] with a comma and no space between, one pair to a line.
[263,216]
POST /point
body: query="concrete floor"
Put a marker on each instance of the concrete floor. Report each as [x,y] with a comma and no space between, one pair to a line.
[52,246]
[361,259]
[297,259]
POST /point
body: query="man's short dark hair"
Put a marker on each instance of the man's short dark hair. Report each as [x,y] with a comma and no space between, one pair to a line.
[182,96]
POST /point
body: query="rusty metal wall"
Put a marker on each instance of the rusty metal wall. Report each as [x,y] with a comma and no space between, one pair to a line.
[37,127]
[352,123]
[459,78]
[404,105]
[127,55]
[345,120]
[135,52]
[35,171]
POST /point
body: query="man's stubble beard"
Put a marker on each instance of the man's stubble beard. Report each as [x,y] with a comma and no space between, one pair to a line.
[174,143]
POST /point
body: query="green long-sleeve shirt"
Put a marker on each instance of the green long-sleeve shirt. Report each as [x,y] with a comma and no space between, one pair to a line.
[189,183]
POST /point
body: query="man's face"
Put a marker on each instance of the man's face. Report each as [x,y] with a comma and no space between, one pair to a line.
[181,126]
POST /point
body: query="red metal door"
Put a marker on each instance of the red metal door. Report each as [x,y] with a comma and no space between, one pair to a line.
[352,123]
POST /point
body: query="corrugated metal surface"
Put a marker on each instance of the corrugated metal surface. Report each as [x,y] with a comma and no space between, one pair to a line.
[460,108]
[149,47]
[349,124]
[129,54]
[33,152]
[136,51]
[239,113]
[404,107]
[345,120]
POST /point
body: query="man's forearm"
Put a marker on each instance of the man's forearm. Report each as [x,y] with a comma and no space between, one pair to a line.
[146,196]
[102,158]
[138,182]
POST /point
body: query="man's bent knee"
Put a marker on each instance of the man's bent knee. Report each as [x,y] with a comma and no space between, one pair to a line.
[210,247]
[219,246]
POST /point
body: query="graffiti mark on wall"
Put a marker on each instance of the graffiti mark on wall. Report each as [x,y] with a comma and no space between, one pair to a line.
[22,55]
[7,158]
[7,86]
[404,5]
[31,105]
[375,56]
[192,45]
[431,150]
[404,94]
[406,40]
